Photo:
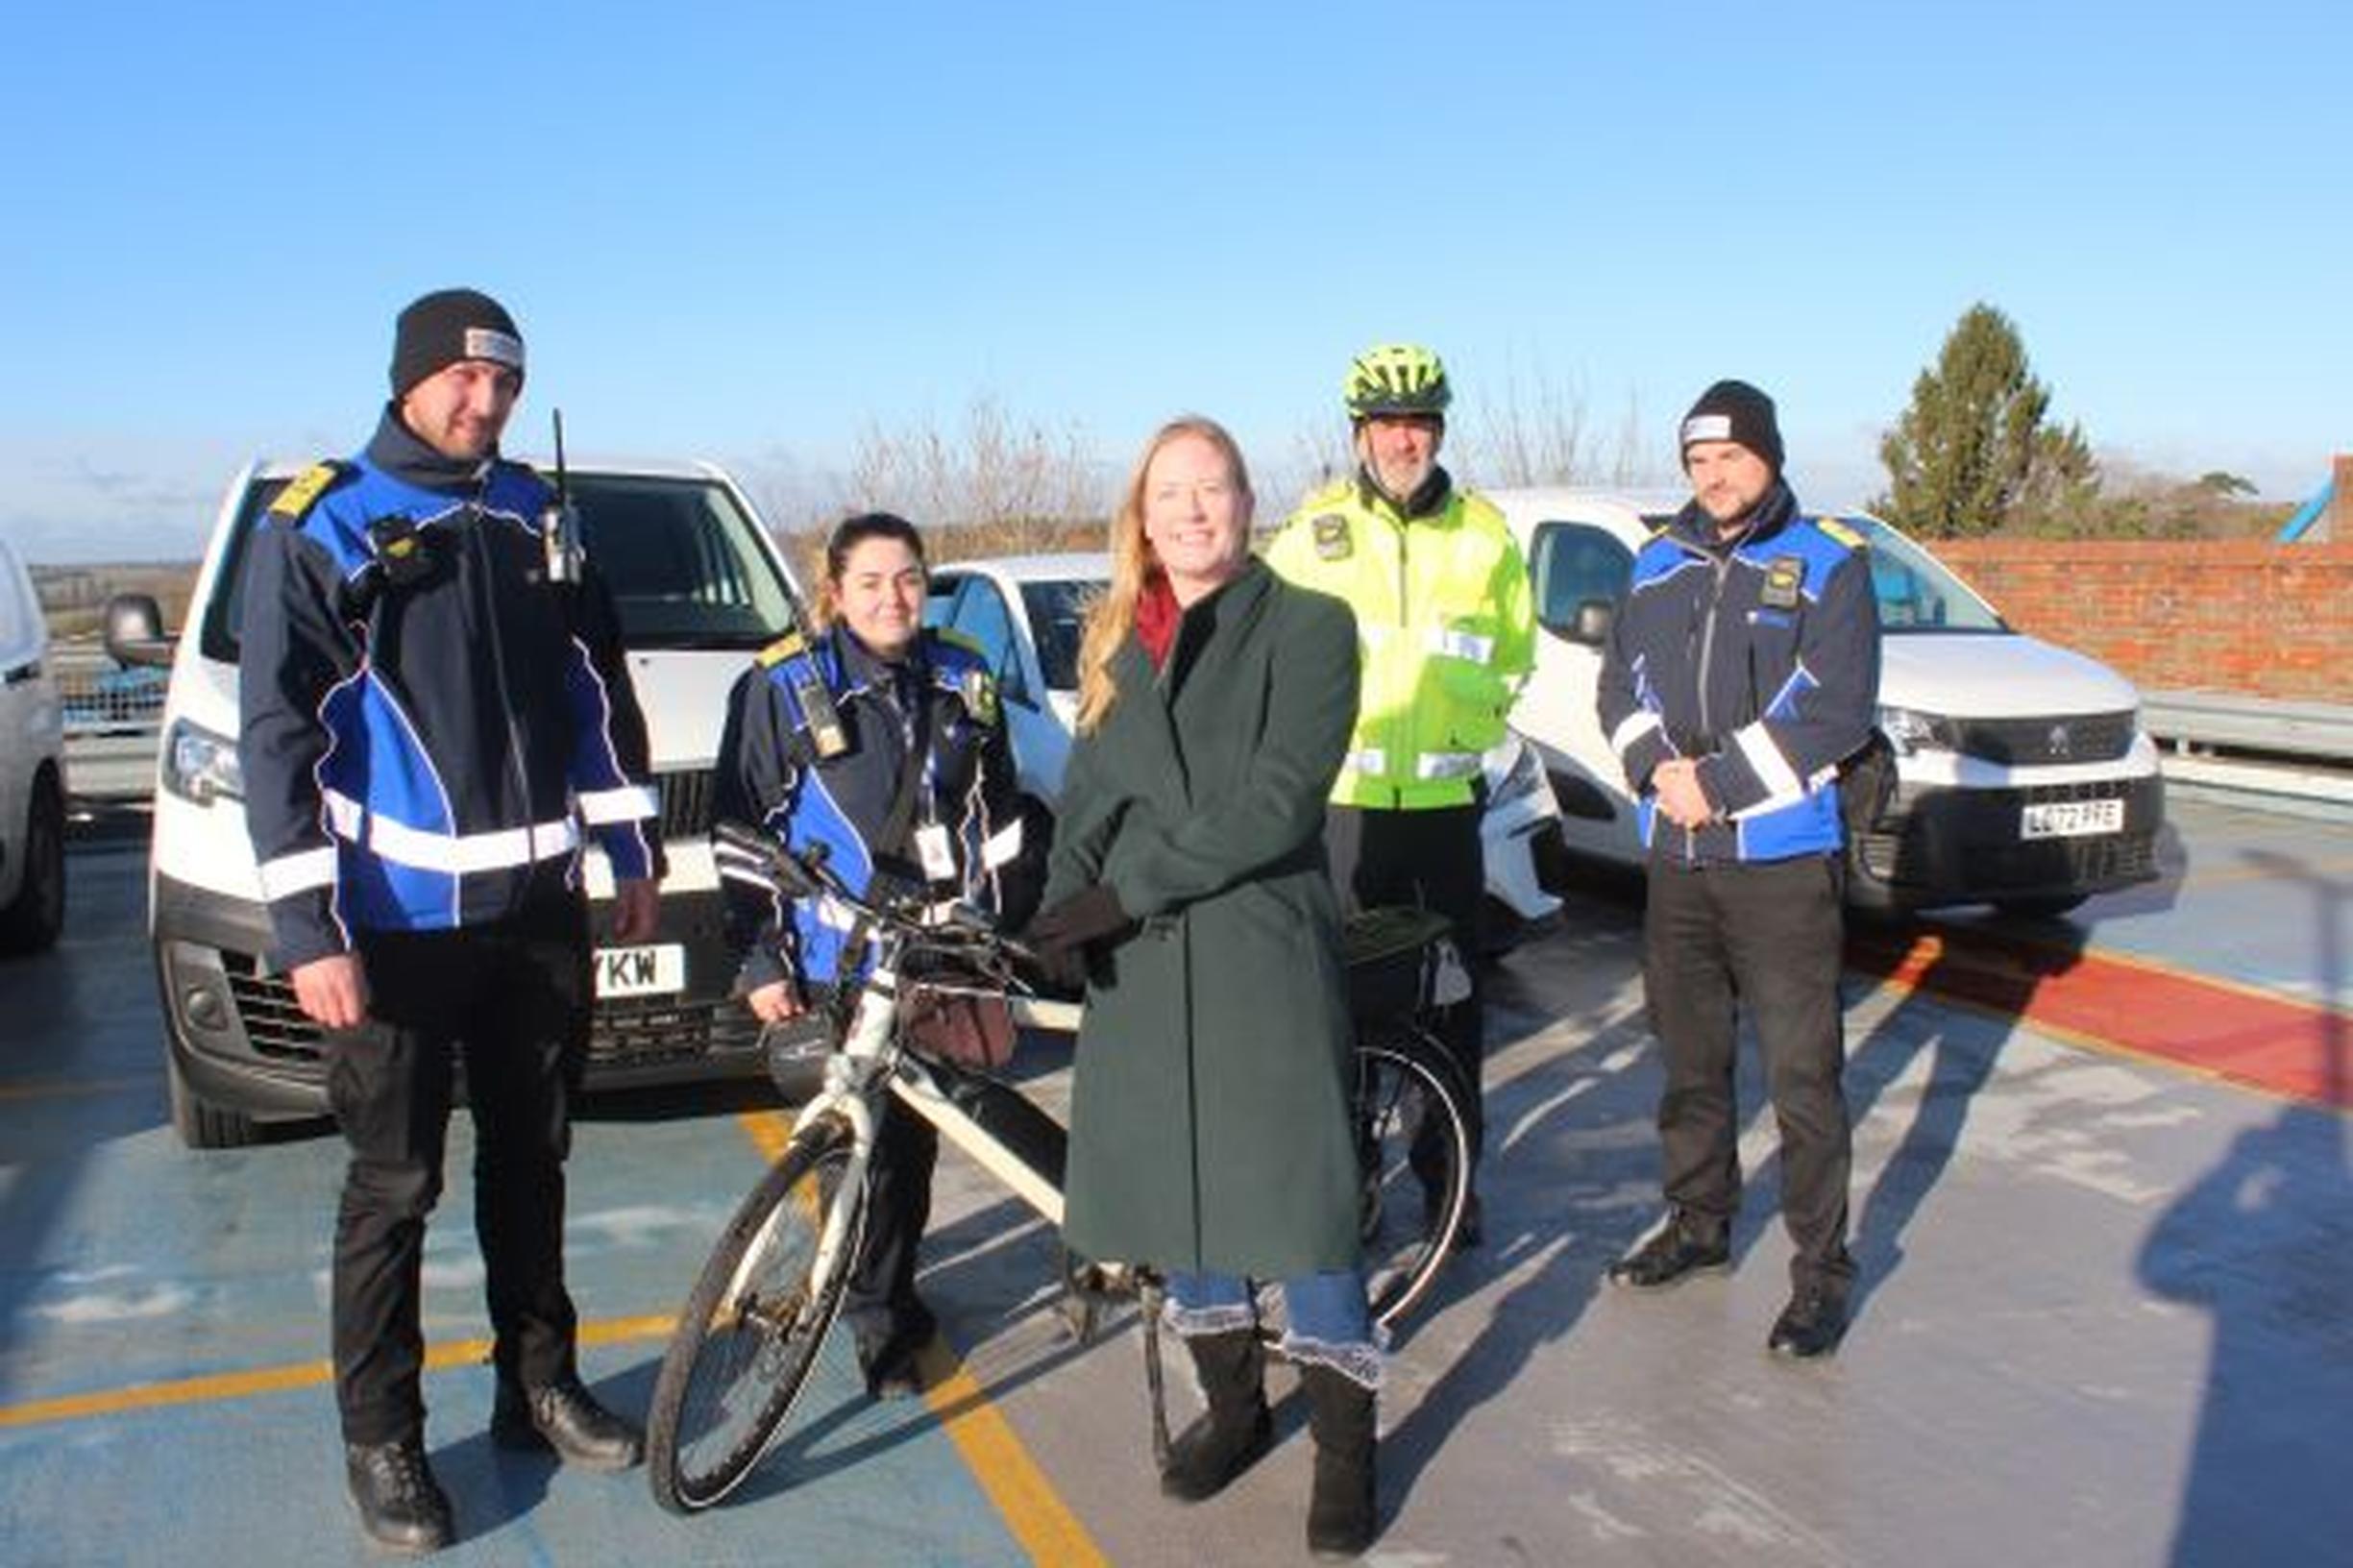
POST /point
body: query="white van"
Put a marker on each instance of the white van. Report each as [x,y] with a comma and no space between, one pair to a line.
[32,770]
[2023,777]
[700,586]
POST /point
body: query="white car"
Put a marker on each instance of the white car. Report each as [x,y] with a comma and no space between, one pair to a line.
[700,586]
[1025,612]
[2023,776]
[32,770]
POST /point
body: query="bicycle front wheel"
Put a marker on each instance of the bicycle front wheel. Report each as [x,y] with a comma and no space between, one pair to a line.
[751,1331]
[1414,1147]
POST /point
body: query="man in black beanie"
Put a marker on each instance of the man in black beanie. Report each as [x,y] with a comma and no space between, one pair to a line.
[1742,669]
[434,722]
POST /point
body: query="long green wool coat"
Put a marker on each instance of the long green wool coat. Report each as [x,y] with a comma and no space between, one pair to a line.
[1209,1115]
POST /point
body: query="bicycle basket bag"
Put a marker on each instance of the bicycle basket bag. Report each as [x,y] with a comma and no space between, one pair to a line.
[1390,954]
[956,1019]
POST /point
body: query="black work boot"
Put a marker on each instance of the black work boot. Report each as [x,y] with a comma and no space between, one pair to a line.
[1237,1427]
[1812,1324]
[1679,1250]
[563,1418]
[1342,1514]
[400,1505]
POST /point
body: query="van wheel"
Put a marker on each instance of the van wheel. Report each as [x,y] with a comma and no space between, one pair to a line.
[200,1124]
[2040,909]
[34,918]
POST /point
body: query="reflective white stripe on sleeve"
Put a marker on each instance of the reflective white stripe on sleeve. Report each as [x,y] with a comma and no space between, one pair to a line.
[299,873]
[1432,765]
[1461,645]
[1771,803]
[1371,760]
[1001,845]
[1631,728]
[455,854]
[1764,760]
[629,803]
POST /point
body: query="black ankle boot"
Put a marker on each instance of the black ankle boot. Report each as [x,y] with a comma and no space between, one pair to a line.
[1342,1515]
[1237,1427]
[400,1505]
[562,1417]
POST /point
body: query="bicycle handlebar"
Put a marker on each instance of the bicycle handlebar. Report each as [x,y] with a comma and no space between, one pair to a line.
[890,903]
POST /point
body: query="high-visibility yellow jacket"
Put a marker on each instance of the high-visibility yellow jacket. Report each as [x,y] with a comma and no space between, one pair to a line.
[1446,628]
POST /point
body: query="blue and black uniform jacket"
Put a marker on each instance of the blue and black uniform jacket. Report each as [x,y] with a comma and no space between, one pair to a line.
[774,772]
[1760,657]
[429,724]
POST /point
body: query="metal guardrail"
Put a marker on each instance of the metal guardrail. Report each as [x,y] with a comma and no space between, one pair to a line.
[99,696]
[2194,723]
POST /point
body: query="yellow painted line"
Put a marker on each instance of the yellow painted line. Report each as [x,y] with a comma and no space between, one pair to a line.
[66,1089]
[274,1380]
[1023,1498]
[1032,1510]
[769,1131]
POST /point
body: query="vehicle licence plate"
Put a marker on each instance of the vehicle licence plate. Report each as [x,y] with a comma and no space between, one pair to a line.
[641,971]
[2071,818]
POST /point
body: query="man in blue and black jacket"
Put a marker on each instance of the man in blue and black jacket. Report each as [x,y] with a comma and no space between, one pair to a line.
[435,714]
[1742,669]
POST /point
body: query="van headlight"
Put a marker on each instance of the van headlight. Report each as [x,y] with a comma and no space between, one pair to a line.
[1910,730]
[201,766]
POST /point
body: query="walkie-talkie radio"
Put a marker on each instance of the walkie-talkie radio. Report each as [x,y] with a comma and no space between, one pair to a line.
[559,523]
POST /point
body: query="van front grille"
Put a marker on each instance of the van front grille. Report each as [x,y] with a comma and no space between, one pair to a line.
[2047,743]
[686,803]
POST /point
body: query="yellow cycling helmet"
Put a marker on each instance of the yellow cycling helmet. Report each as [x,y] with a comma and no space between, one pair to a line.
[1396,379]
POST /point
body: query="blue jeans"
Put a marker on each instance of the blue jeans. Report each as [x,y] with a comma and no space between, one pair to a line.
[1325,1320]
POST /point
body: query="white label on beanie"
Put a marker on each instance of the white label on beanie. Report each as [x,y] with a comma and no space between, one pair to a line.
[485,343]
[1707,427]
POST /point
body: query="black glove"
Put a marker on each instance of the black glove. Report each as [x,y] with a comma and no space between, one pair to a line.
[1060,935]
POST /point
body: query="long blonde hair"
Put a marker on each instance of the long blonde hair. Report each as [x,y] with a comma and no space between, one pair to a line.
[1134,565]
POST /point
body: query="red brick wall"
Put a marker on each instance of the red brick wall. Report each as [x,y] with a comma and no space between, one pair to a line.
[2242,616]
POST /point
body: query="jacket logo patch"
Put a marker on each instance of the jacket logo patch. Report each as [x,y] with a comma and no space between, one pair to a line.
[1785,576]
[1332,538]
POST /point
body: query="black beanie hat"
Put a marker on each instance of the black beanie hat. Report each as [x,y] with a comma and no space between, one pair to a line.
[1734,411]
[450,325]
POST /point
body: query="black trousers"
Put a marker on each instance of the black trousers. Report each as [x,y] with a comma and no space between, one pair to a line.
[1766,938]
[511,1002]
[887,1318]
[1433,859]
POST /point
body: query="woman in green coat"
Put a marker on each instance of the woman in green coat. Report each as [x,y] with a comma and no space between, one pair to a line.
[1209,1125]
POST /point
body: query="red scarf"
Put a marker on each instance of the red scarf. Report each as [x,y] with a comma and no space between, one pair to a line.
[1157,617]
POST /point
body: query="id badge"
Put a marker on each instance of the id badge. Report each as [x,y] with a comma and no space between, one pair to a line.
[932,847]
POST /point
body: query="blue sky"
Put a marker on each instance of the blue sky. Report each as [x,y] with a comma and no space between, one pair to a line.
[749,232]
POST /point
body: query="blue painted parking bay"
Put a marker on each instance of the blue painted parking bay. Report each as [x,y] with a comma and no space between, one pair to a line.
[2102,1319]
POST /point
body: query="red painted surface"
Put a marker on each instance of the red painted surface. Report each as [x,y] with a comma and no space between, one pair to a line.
[2264,1042]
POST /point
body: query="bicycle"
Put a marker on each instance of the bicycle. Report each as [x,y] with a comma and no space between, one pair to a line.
[766,1299]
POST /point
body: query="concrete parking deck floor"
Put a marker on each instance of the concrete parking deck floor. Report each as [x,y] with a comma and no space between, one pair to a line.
[2106,1313]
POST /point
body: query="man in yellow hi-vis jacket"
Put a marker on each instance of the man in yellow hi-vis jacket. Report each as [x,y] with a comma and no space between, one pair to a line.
[1446,628]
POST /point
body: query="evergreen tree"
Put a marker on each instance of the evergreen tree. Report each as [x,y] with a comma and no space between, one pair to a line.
[1972,455]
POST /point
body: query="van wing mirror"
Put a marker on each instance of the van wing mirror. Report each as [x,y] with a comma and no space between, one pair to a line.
[1592,624]
[134,631]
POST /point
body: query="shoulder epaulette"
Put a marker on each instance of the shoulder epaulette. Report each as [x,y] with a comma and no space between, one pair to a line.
[1842,533]
[789,646]
[304,490]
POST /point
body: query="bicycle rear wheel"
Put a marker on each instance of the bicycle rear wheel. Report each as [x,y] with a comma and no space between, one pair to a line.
[1413,1146]
[749,1335]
